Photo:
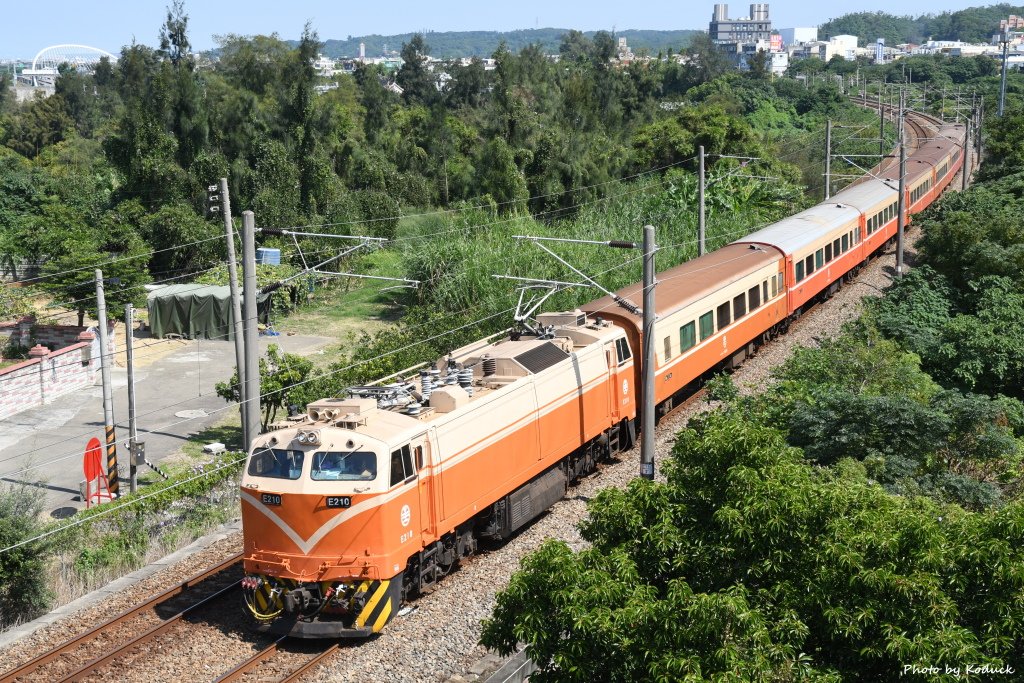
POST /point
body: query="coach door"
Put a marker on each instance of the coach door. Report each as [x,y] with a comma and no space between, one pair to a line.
[425,483]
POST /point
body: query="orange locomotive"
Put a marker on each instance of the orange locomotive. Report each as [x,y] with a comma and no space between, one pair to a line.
[364,502]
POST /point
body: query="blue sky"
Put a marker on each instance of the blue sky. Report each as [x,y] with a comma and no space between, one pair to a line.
[109,24]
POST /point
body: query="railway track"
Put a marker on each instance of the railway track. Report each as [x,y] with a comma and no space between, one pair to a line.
[80,653]
[267,664]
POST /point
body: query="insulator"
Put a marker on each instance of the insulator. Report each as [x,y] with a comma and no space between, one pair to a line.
[453,365]
[490,366]
[466,378]
[413,409]
[428,389]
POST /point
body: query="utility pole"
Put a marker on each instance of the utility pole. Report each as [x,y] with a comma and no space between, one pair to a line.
[979,129]
[965,171]
[942,106]
[133,431]
[251,403]
[236,307]
[828,158]
[108,402]
[902,205]
[700,199]
[647,414]
[881,125]
[1002,80]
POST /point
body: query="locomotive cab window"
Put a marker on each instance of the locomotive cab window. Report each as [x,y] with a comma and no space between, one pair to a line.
[276,463]
[687,337]
[344,466]
[622,350]
[707,325]
[401,466]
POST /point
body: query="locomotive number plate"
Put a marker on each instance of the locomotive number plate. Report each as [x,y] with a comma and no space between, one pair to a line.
[271,498]
[339,501]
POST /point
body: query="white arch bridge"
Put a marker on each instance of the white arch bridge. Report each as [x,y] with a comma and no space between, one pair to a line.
[44,65]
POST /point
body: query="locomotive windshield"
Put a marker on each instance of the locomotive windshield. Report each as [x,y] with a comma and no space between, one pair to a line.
[276,463]
[348,466]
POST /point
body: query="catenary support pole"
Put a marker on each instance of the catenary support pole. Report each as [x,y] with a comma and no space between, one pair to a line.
[647,409]
[881,121]
[236,305]
[901,208]
[700,200]
[133,428]
[252,342]
[965,171]
[1002,78]
[108,401]
[828,158]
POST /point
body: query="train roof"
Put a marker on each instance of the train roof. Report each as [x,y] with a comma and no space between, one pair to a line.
[868,194]
[790,234]
[690,281]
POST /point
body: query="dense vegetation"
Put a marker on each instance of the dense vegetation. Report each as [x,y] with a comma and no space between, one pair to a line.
[972,25]
[455,44]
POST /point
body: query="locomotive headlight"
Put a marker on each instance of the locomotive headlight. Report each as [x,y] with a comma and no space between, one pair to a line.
[313,438]
[301,438]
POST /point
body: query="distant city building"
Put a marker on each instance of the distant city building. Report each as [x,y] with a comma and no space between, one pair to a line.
[880,51]
[750,29]
[795,36]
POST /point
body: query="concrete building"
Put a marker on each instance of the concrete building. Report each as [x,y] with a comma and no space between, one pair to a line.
[749,29]
[795,36]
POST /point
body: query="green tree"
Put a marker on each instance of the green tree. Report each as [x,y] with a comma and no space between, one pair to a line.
[417,82]
[749,564]
[24,592]
[281,378]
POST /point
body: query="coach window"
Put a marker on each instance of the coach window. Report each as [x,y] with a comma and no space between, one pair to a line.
[739,306]
[723,315]
[775,286]
[401,465]
[835,248]
[754,297]
[707,325]
[819,259]
[809,264]
[687,336]
[668,347]
[622,350]
[846,242]
[828,253]
[764,288]
[799,271]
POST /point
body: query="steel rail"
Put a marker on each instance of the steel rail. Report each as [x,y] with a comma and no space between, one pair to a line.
[42,660]
[251,663]
[98,663]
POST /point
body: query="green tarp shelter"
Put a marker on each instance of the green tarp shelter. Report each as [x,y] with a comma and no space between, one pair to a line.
[195,311]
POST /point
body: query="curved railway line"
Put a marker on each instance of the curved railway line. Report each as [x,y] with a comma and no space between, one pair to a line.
[192,601]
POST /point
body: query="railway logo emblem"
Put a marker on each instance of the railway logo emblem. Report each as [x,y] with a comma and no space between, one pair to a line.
[406,515]
[625,387]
